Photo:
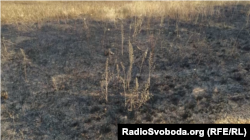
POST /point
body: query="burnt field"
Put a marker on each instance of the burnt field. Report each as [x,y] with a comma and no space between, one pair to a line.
[79,78]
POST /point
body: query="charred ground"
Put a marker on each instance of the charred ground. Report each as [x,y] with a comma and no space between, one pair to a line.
[201,74]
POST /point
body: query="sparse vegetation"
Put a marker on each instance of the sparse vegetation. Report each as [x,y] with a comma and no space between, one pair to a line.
[4,95]
[73,70]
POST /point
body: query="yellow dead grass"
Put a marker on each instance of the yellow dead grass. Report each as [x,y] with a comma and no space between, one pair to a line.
[23,12]
[233,120]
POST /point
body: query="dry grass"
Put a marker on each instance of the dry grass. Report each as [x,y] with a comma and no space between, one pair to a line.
[135,90]
[233,120]
[4,95]
[106,79]
[131,61]
[16,12]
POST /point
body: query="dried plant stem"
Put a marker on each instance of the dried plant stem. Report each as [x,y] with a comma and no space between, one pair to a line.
[150,66]
[115,23]
[137,26]
[118,70]
[54,83]
[149,75]
[177,29]
[5,53]
[162,21]
[143,59]
[86,29]
[247,19]
[24,65]
[131,61]
[136,87]
[130,28]
[123,80]
[106,79]
[122,36]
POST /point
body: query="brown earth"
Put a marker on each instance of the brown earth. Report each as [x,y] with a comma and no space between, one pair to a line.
[52,91]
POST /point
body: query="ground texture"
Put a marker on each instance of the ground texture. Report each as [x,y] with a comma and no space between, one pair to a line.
[52,73]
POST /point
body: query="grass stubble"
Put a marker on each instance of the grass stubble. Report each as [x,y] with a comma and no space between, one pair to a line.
[134,97]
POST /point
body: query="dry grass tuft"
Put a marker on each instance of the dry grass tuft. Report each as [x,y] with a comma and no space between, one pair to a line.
[4,95]
[54,82]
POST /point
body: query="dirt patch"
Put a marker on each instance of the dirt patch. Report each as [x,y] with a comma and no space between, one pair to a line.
[200,74]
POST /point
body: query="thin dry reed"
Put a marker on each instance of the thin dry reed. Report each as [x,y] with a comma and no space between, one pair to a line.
[124,81]
[143,59]
[131,61]
[122,36]
[24,63]
[106,78]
